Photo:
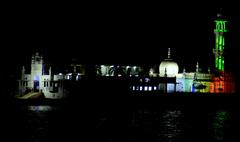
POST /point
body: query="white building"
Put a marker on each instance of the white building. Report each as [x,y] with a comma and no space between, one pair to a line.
[41,81]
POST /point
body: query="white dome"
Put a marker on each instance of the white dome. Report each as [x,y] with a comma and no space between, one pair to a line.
[170,66]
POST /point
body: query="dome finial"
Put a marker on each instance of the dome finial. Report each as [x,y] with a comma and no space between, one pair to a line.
[169,53]
[197,67]
[169,67]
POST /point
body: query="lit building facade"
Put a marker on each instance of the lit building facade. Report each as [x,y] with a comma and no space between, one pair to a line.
[41,81]
[166,78]
[218,81]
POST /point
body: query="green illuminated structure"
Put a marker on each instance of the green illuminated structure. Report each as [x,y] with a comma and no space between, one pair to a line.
[219,44]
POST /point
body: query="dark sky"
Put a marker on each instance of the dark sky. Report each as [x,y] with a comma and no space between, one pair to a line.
[114,34]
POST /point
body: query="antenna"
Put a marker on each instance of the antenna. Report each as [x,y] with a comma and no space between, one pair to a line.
[219,14]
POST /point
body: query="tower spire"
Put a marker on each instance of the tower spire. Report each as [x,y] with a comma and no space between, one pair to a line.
[169,53]
[197,67]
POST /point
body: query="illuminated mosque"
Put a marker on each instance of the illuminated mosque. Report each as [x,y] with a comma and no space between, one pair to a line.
[41,81]
[166,78]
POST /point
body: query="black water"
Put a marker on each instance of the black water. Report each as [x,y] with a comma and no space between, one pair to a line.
[133,119]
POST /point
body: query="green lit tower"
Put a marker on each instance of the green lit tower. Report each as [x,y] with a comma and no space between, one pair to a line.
[218,51]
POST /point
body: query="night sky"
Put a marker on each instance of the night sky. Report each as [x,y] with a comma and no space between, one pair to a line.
[116,34]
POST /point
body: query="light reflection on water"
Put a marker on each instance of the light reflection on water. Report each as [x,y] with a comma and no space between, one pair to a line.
[219,124]
[158,125]
[171,125]
[38,122]
[145,124]
[40,108]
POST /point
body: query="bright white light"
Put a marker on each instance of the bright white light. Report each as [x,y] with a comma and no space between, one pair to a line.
[140,88]
[133,87]
[150,88]
[77,77]
[145,88]
[168,67]
[154,88]
[151,71]
[134,68]
[60,74]
[104,70]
